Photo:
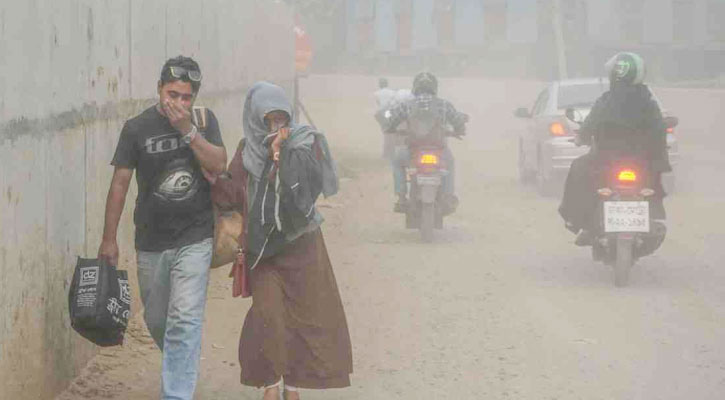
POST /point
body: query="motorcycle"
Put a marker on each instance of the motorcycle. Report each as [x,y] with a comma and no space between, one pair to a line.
[425,135]
[426,207]
[626,230]
[426,174]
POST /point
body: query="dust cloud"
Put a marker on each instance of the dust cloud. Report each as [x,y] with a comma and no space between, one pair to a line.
[501,304]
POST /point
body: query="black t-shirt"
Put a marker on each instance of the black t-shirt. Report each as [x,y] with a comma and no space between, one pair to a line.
[173,207]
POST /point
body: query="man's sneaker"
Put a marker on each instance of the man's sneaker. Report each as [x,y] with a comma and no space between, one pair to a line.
[584,238]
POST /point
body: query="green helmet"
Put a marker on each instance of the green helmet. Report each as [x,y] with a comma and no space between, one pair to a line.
[626,68]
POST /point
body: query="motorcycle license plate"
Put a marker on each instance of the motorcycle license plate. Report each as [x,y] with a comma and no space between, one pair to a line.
[429,180]
[626,216]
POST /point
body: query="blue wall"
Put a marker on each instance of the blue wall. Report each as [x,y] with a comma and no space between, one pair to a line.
[424,32]
[469,23]
[386,26]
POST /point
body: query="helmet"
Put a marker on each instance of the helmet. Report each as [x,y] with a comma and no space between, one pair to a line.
[382,83]
[625,68]
[425,82]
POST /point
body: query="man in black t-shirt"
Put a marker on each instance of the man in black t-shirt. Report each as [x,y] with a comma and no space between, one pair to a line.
[174,160]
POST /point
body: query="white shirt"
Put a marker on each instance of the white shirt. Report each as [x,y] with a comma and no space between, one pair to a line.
[403,95]
[384,98]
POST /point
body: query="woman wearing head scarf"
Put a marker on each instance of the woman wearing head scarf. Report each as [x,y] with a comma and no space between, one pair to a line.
[625,120]
[295,334]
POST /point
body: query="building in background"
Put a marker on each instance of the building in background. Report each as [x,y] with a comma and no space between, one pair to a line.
[517,36]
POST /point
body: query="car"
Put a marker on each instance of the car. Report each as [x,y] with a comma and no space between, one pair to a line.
[546,146]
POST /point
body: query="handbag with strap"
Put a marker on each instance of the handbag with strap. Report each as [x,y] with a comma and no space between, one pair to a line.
[228,221]
[229,196]
[228,225]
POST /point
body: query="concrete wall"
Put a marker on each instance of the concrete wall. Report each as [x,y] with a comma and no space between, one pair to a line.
[71,73]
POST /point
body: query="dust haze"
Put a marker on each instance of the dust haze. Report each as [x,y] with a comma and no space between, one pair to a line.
[501,304]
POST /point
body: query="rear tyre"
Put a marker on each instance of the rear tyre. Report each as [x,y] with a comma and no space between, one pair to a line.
[427,221]
[624,261]
[543,184]
[526,176]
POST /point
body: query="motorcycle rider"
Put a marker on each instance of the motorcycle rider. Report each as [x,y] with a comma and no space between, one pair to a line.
[626,120]
[425,100]
[385,95]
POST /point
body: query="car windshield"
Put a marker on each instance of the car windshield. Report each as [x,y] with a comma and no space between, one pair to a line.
[579,95]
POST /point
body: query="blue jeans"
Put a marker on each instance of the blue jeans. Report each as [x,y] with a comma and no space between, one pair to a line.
[402,160]
[173,291]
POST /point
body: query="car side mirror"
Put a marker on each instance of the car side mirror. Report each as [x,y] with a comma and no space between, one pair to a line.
[522,113]
[573,116]
[671,122]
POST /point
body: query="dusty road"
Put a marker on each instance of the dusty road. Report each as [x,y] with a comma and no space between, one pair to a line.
[502,305]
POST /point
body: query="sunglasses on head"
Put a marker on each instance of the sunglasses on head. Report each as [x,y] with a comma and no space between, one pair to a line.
[181,72]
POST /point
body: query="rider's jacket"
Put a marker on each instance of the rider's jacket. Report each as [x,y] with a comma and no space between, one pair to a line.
[427,118]
[628,121]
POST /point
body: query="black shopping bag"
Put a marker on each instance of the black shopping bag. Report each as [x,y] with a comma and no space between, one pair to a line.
[99,301]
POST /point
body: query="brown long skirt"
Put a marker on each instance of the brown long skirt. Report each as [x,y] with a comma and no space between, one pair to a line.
[296,327]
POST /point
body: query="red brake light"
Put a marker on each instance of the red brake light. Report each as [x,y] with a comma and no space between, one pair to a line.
[557,129]
[670,130]
[627,175]
[429,159]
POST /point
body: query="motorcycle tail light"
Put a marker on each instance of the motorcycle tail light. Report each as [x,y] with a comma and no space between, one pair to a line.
[557,129]
[670,130]
[429,159]
[627,175]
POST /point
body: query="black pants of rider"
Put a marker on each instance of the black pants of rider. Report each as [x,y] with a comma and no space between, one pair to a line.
[580,200]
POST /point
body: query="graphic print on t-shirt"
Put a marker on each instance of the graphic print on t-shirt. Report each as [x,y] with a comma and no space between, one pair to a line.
[178,182]
[162,143]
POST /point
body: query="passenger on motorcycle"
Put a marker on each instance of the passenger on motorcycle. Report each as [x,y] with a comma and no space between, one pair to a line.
[385,98]
[441,115]
[624,122]
[385,95]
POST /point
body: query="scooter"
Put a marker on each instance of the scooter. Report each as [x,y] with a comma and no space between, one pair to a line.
[627,231]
